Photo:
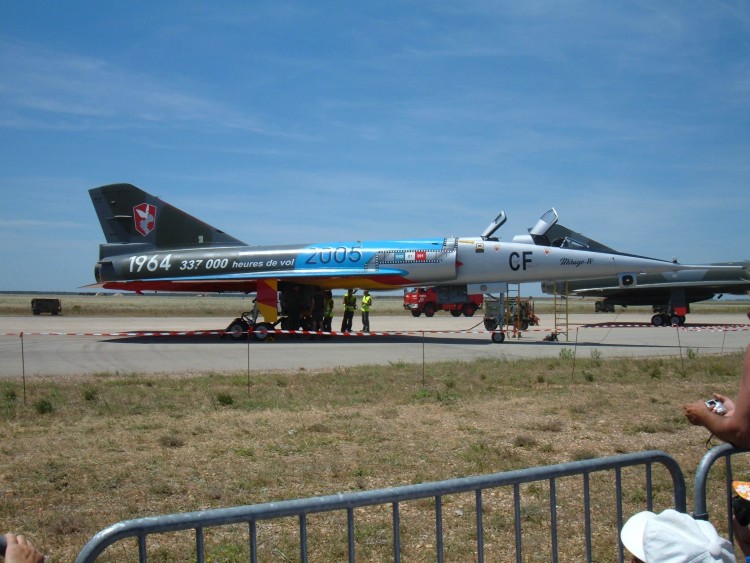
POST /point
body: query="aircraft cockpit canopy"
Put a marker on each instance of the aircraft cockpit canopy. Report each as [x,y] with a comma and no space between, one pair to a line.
[496,223]
[539,231]
[545,223]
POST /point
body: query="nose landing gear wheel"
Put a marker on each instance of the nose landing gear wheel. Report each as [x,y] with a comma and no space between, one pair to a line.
[498,337]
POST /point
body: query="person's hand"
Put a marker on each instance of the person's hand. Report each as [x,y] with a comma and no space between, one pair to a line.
[20,550]
[696,412]
[728,403]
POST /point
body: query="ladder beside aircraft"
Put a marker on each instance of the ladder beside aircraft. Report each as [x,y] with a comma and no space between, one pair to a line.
[512,300]
[560,310]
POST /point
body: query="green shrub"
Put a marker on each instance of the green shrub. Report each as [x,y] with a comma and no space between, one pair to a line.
[44,406]
[566,354]
[225,399]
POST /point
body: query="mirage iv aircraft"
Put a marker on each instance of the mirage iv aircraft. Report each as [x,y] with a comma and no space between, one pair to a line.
[668,293]
[153,246]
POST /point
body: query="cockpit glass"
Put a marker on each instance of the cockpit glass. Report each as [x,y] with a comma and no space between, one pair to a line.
[550,217]
[544,223]
[574,244]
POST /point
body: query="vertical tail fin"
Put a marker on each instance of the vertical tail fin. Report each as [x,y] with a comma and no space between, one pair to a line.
[130,216]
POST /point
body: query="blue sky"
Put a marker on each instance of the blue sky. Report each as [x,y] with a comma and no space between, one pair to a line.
[285,122]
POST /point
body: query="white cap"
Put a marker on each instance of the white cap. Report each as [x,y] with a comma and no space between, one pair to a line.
[674,537]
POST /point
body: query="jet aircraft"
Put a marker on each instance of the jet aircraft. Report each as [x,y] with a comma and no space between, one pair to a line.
[669,294]
[153,246]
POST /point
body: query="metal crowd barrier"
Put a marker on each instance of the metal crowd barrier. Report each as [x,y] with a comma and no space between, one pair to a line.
[700,504]
[141,528]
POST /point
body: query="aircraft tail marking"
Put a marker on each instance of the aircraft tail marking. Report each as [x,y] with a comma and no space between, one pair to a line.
[131,216]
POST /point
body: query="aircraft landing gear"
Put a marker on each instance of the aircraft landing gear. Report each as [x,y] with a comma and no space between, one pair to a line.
[263,332]
[664,319]
[242,326]
[498,337]
[246,324]
[494,315]
[659,320]
[238,328]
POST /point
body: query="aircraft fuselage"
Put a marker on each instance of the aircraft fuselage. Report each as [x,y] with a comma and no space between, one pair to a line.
[365,264]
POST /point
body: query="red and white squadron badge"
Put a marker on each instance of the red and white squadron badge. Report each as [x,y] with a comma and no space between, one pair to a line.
[145,218]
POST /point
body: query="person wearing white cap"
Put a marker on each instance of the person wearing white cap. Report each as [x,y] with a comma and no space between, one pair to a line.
[673,537]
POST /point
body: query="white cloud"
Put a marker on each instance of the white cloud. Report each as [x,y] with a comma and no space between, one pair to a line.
[45,89]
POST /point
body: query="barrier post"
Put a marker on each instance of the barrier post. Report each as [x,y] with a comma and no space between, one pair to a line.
[23,370]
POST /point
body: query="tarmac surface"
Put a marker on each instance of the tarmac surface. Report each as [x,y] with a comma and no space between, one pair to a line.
[66,346]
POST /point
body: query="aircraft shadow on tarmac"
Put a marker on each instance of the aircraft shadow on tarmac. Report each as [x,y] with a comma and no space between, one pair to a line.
[192,340]
[298,339]
[415,338]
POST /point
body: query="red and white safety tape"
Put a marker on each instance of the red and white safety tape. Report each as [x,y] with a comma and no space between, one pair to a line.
[136,334]
[222,333]
[696,328]
[139,333]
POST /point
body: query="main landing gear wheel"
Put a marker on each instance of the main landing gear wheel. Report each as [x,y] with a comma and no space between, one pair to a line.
[263,332]
[662,319]
[498,337]
[237,330]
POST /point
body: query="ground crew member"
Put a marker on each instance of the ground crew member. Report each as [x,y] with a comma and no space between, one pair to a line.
[350,305]
[366,304]
[292,300]
[328,312]
[318,309]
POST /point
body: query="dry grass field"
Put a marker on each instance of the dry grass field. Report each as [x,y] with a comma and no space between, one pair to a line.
[81,453]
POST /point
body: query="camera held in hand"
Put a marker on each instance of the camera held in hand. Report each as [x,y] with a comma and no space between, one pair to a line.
[716,406]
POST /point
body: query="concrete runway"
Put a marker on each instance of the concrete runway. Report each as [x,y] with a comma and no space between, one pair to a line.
[45,354]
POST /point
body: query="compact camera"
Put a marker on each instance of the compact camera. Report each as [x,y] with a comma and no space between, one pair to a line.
[716,406]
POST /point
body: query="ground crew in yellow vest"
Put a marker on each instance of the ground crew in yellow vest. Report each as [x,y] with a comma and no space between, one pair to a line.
[366,304]
[350,305]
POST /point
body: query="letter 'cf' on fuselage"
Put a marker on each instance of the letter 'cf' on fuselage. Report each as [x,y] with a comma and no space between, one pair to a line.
[153,246]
